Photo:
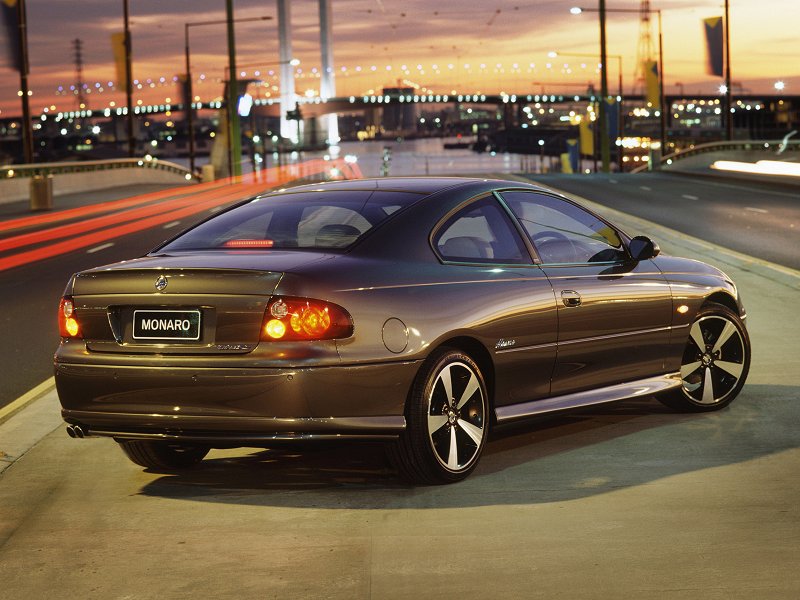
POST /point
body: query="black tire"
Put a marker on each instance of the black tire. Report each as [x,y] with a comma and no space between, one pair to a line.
[162,456]
[444,436]
[715,362]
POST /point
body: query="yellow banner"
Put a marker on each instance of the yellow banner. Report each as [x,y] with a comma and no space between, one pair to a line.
[652,84]
[118,48]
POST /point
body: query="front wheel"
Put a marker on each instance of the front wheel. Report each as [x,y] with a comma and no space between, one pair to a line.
[447,420]
[715,362]
[162,456]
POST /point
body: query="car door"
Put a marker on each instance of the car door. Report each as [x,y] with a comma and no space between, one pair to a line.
[613,312]
[510,302]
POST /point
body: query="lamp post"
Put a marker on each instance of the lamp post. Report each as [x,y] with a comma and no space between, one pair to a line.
[604,154]
[27,131]
[188,108]
[128,81]
[728,86]
[662,99]
[234,131]
[620,92]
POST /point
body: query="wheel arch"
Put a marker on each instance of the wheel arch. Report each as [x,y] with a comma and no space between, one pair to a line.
[725,299]
[478,352]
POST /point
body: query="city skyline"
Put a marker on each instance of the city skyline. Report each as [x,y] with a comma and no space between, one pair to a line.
[503,46]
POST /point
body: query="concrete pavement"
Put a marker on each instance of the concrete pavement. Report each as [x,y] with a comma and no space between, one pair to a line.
[627,500]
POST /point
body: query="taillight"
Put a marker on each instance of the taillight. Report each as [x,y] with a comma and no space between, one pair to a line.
[304,319]
[68,325]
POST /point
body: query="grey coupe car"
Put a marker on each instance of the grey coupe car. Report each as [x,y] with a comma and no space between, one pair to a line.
[419,311]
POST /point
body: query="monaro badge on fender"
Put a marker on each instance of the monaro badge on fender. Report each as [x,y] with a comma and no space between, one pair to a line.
[161,283]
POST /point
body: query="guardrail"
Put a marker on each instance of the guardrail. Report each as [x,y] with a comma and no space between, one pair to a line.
[44,180]
[788,149]
[63,168]
[772,146]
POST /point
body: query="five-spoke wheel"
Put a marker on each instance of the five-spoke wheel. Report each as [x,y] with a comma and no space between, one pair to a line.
[715,361]
[447,420]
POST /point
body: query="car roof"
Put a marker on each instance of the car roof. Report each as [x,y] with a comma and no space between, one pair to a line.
[421,185]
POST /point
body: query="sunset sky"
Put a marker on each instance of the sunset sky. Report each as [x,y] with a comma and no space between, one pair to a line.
[374,39]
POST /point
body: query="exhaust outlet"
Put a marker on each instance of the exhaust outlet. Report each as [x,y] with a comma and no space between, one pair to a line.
[75,431]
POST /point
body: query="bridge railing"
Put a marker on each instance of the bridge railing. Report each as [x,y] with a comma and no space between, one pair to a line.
[63,168]
[790,148]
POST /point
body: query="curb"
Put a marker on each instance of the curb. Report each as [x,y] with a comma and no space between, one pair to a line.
[36,419]
[17,405]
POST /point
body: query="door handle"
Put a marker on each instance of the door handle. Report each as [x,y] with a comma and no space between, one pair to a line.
[570,298]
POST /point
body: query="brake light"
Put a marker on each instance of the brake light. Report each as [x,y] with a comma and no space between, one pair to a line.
[68,325]
[248,244]
[305,319]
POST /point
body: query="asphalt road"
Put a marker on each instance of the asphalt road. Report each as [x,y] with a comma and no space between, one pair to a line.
[621,501]
[761,220]
[30,293]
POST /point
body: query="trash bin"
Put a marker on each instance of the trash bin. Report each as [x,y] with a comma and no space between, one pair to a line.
[208,173]
[41,192]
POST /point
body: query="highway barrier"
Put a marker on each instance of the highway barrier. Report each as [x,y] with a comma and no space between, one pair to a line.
[702,156]
[70,177]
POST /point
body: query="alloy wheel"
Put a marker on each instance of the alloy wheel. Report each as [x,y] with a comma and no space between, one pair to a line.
[456,416]
[713,361]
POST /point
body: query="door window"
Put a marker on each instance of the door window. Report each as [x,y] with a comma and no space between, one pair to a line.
[564,233]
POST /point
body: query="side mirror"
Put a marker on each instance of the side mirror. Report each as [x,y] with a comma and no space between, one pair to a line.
[642,248]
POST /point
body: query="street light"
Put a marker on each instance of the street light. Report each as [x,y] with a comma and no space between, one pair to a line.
[602,10]
[620,151]
[128,77]
[189,110]
[24,89]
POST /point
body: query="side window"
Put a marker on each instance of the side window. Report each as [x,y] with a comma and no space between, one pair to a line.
[562,232]
[481,233]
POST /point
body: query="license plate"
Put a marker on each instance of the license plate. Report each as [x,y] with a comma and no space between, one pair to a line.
[166,325]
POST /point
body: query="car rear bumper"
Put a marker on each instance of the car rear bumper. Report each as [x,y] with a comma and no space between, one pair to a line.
[235,406]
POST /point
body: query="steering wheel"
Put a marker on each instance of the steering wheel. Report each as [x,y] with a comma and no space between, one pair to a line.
[558,243]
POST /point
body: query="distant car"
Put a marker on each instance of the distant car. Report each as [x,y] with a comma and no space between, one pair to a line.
[420,311]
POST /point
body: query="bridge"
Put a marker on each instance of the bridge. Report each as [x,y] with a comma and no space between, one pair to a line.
[318,106]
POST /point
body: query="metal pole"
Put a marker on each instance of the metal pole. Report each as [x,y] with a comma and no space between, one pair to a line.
[604,153]
[621,120]
[189,89]
[728,98]
[662,97]
[190,99]
[234,132]
[27,131]
[129,83]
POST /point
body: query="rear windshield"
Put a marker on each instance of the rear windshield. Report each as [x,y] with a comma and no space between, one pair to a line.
[324,220]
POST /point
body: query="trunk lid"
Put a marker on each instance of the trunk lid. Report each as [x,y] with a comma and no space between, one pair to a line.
[199,303]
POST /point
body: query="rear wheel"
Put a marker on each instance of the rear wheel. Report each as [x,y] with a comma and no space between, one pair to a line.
[715,362]
[447,420]
[162,456]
